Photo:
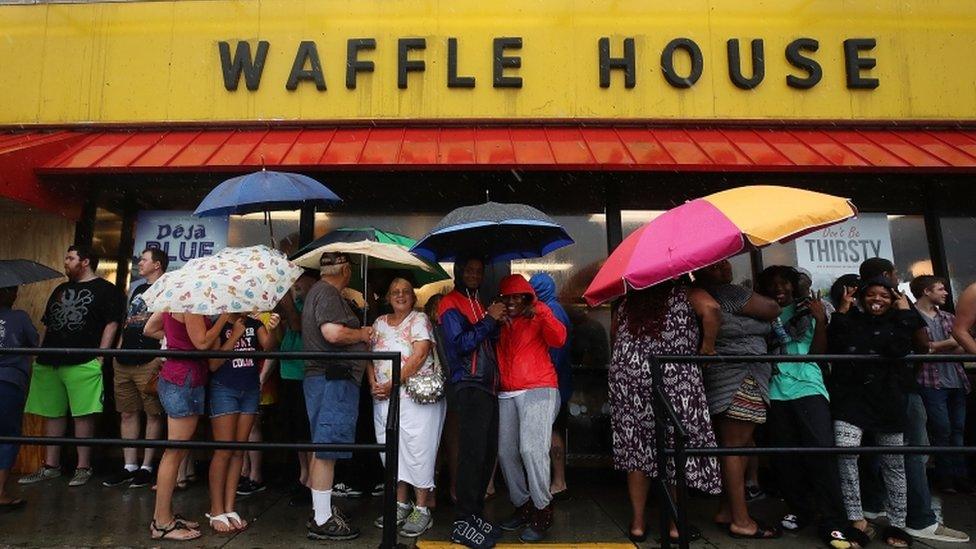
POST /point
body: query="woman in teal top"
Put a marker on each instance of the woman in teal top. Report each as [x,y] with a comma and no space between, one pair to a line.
[799,413]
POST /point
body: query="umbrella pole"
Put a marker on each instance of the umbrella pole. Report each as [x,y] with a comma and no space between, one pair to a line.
[365,288]
[268,221]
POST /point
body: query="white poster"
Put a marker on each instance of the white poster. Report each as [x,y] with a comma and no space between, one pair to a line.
[839,249]
[178,233]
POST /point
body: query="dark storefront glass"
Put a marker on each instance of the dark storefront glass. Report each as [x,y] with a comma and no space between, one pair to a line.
[960,249]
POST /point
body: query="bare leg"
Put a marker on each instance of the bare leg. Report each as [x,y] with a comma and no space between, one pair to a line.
[243,427]
[154,431]
[4,496]
[638,484]
[223,430]
[735,434]
[254,456]
[84,428]
[179,429]
[557,456]
[54,427]
[321,474]
[303,460]
[403,492]
[129,429]
[423,496]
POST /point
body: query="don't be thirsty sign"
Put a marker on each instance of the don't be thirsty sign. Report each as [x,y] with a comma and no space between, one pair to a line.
[840,249]
[181,235]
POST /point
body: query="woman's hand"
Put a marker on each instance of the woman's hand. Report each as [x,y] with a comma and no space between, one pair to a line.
[273,321]
[381,391]
[238,330]
[847,300]
[817,309]
[707,350]
[901,300]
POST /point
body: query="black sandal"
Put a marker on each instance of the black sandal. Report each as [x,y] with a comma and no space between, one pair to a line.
[835,539]
[694,534]
[158,533]
[893,532]
[762,532]
[792,523]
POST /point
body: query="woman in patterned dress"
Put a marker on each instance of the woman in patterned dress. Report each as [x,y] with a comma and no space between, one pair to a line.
[663,319]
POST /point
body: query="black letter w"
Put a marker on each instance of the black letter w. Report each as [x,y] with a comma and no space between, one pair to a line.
[242,62]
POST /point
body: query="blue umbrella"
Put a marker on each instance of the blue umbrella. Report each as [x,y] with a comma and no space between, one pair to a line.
[265,191]
[498,232]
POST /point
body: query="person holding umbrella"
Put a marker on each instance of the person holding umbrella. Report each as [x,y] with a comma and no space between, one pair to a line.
[16,330]
[469,332]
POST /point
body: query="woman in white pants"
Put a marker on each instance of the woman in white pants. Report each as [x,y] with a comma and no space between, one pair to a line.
[410,333]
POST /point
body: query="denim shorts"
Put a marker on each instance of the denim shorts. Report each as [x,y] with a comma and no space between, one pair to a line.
[333,407]
[228,400]
[181,400]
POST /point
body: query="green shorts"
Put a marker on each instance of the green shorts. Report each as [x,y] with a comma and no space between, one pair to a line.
[53,390]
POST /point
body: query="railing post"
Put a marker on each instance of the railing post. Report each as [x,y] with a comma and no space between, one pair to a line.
[681,488]
[389,540]
[660,442]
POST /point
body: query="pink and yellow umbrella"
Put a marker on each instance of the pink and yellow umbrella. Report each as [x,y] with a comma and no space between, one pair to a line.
[707,230]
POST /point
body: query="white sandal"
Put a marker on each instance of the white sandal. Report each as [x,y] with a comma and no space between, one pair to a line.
[233,516]
[221,519]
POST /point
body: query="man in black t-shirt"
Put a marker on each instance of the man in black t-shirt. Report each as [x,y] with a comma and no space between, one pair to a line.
[82,313]
[134,373]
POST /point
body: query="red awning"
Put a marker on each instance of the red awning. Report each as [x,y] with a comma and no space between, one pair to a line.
[623,147]
[21,155]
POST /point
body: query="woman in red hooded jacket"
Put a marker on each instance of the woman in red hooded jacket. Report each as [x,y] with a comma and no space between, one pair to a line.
[528,401]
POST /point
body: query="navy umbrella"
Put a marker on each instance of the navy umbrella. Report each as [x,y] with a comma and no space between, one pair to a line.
[16,272]
[499,232]
[265,191]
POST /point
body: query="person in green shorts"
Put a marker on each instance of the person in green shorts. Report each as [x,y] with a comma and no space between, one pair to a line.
[83,313]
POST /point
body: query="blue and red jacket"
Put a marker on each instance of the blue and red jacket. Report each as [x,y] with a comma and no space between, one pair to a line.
[468,335]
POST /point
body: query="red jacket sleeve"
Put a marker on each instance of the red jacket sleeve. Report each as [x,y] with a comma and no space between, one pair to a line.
[553,331]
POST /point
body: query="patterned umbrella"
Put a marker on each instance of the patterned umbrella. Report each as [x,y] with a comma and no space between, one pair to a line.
[705,231]
[235,280]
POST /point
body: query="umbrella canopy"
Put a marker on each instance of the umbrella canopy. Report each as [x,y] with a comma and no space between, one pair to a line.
[705,231]
[265,191]
[384,250]
[500,232]
[16,272]
[235,280]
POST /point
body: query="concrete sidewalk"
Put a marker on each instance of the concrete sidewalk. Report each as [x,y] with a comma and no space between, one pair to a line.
[596,515]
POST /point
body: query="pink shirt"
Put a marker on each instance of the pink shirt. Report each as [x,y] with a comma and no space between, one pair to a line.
[175,370]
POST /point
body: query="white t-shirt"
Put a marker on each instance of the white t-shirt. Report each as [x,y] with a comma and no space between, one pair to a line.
[416,327]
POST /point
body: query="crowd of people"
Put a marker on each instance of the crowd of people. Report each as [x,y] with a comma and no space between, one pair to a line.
[800,403]
[485,383]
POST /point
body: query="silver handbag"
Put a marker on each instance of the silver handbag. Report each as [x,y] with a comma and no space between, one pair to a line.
[426,388]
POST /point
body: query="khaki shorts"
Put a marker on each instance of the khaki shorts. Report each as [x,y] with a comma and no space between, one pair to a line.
[130,388]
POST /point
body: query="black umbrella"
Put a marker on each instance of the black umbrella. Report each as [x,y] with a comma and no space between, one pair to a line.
[16,272]
[499,232]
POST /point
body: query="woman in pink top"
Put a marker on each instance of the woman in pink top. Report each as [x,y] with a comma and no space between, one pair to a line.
[182,392]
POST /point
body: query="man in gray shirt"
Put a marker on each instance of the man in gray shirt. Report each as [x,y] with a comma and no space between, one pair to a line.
[331,388]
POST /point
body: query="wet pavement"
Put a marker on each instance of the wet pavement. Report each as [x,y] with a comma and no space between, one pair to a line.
[596,514]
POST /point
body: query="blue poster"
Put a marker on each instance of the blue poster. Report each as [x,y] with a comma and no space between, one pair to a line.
[178,233]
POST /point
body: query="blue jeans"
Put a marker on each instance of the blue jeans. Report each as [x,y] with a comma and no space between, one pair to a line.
[946,409]
[228,400]
[181,400]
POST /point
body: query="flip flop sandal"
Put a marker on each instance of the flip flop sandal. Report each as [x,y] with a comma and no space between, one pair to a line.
[837,540]
[191,524]
[234,517]
[221,519]
[637,538]
[13,505]
[762,532]
[897,534]
[157,533]
[792,523]
[862,538]
[694,534]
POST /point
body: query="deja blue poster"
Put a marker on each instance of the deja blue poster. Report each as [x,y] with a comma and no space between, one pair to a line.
[178,233]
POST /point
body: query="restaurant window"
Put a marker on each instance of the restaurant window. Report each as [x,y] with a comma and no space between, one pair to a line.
[631,220]
[960,250]
[105,243]
[905,234]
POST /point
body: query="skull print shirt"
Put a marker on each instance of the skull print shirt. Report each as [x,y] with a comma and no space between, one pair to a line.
[76,315]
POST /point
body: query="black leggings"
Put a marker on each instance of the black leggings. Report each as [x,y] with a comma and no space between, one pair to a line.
[477,448]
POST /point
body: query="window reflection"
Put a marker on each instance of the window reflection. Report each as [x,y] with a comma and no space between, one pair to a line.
[960,249]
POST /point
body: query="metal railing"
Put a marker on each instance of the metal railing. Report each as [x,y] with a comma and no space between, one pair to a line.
[390,448]
[674,508]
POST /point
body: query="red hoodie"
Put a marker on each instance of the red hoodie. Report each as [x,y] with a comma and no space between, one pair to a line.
[523,347]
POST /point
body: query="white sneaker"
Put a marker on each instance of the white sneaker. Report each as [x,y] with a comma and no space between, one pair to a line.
[341,490]
[939,532]
[42,474]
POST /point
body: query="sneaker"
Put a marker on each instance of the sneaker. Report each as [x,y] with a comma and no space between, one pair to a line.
[519,518]
[403,511]
[337,528]
[417,523]
[531,535]
[342,490]
[143,477]
[754,493]
[869,515]
[378,490]
[81,477]
[301,496]
[117,479]
[466,533]
[939,532]
[248,487]
[44,473]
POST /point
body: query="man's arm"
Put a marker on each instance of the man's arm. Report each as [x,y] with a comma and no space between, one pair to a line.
[337,334]
[108,335]
[965,320]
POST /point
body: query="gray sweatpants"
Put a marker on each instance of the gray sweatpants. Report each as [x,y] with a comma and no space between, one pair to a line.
[524,438]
